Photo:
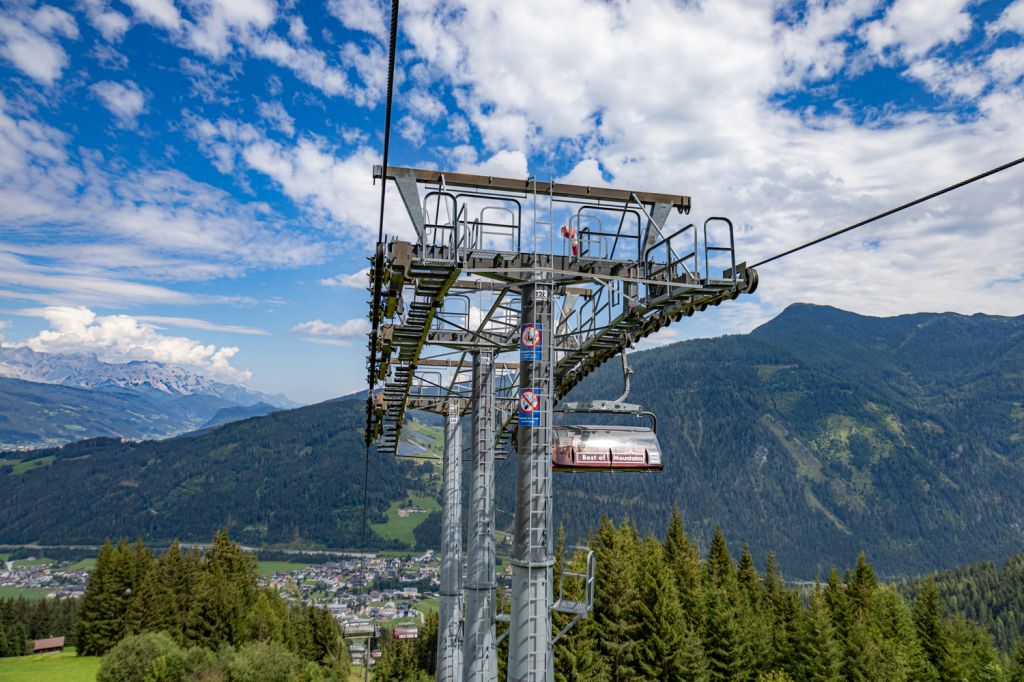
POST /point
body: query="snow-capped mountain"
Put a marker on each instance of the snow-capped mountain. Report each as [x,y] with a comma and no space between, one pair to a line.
[86,371]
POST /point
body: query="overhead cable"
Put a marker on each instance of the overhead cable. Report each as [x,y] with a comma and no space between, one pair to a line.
[891,211]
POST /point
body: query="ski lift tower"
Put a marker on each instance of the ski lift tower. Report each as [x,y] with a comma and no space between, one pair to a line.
[512,292]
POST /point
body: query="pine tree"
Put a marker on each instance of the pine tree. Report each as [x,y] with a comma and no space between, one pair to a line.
[821,656]
[861,584]
[746,576]
[614,594]
[104,608]
[928,619]
[264,622]
[1016,672]
[719,571]
[665,645]
[577,656]
[683,559]
[722,639]
[225,593]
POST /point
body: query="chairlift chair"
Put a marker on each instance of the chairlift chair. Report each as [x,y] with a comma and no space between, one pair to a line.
[583,448]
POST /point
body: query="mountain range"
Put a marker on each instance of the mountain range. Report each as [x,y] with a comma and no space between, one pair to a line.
[820,434]
[824,433]
[51,398]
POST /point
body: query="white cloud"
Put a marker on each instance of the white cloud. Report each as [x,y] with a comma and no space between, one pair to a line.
[275,113]
[1012,19]
[218,28]
[220,22]
[356,280]
[125,101]
[1006,66]
[115,225]
[361,15]
[205,325]
[412,130]
[308,64]
[297,30]
[111,24]
[319,331]
[814,48]
[424,105]
[121,338]
[944,78]
[506,164]
[340,188]
[161,13]
[29,40]
[680,98]
[912,28]
[586,172]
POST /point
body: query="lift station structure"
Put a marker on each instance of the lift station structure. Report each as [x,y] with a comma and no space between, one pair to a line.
[510,294]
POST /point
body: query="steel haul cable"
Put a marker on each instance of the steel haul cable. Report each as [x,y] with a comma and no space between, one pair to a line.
[378,261]
[891,211]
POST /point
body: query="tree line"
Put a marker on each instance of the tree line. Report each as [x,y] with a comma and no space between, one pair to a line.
[22,621]
[663,613]
[187,614]
[982,592]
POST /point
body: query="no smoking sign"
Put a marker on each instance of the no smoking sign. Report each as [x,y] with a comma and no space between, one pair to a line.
[531,340]
[529,407]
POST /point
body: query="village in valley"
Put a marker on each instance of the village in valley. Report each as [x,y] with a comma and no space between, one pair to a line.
[368,594]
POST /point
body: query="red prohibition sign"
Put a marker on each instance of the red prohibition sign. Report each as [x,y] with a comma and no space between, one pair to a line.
[529,401]
[530,336]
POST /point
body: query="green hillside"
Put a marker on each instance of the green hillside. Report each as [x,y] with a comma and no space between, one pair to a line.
[290,478]
[818,435]
[824,433]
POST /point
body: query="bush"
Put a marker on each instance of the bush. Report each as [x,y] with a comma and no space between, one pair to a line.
[131,659]
[270,662]
[186,666]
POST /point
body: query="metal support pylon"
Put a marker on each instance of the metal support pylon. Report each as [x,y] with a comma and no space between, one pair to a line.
[449,645]
[481,664]
[529,653]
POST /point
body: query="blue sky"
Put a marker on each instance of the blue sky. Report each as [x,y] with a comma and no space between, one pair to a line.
[189,181]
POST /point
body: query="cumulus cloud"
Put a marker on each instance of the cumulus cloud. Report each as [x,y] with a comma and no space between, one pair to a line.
[111,24]
[29,39]
[161,13]
[121,338]
[356,280]
[125,101]
[1012,19]
[360,15]
[312,174]
[319,331]
[704,120]
[278,116]
[218,23]
[912,28]
[505,163]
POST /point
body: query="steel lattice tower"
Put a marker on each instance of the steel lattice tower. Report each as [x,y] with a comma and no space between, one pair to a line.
[565,276]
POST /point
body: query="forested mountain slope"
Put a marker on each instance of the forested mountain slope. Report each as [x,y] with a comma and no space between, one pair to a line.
[818,435]
[984,593]
[289,477]
[823,433]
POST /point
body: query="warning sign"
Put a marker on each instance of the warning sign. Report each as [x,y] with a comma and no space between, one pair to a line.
[529,407]
[531,339]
